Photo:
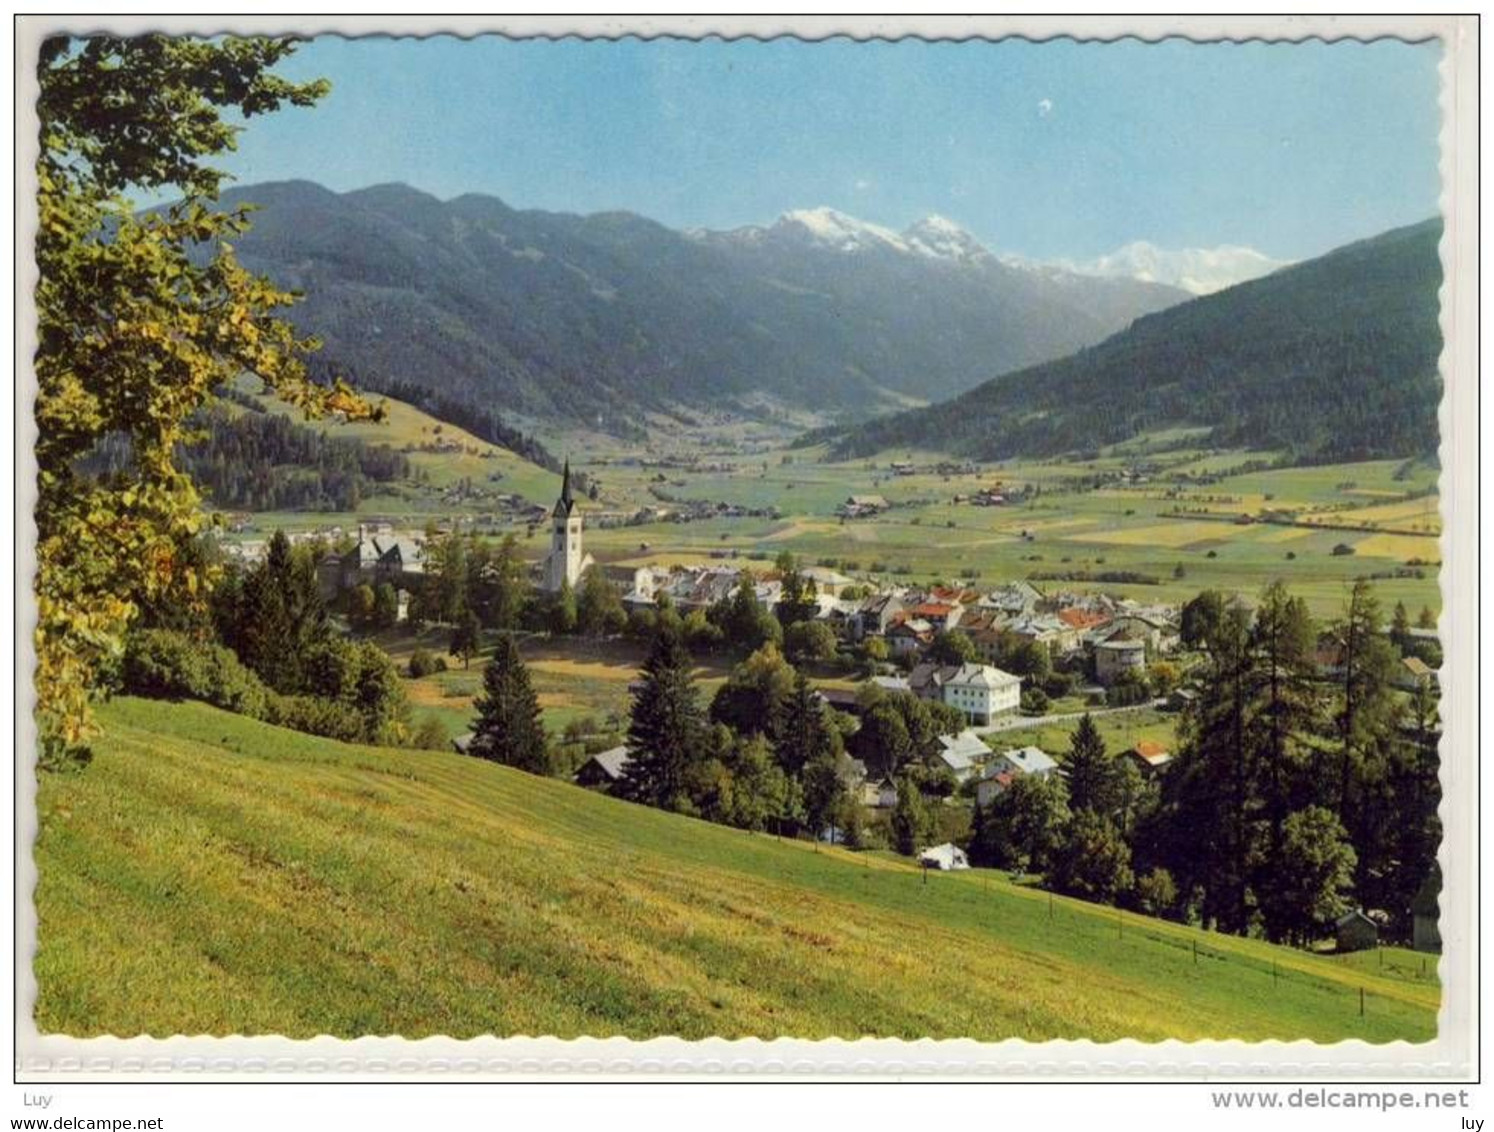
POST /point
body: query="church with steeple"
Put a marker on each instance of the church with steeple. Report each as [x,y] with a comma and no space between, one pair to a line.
[566,561]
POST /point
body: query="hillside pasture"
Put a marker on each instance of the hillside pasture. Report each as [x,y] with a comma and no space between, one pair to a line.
[212,875]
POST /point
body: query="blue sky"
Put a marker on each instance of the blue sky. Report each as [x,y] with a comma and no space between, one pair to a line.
[1050,150]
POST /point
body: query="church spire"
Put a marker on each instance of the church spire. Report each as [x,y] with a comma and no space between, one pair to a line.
[567,501]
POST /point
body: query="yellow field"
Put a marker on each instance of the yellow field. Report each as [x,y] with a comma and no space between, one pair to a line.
[1284,534]
[1414,514]
[1400,547]
[1165,534]
[1045,525]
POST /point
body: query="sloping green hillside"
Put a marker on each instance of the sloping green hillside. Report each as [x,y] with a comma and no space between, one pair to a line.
[1332,359]
[208,874]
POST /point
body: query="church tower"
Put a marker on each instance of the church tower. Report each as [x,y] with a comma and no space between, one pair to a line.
[566,562]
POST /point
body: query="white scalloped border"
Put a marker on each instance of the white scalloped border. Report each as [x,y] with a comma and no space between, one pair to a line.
[1451,1057]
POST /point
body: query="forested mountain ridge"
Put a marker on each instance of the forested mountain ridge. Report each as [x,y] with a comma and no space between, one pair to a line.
[1331,359]
[599,319]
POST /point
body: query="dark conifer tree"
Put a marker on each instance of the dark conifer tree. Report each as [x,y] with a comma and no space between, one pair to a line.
[508,728]
[1091,771]
[665,736]
[1288,710]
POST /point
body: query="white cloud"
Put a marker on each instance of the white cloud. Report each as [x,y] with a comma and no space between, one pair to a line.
[1045,107]
[862,185]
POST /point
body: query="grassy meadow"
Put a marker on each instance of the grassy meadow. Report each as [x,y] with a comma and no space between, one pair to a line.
[213,875]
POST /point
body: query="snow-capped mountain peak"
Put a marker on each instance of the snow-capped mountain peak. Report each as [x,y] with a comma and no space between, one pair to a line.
[837,230]
[1200,271]
[942,238]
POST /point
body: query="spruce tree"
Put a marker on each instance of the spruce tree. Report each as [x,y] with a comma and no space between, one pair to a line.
[665,736]
[1288,711]
[910,818]
[1400,627]
[805,735]
[508,728]
[1091,771]
[1210,787]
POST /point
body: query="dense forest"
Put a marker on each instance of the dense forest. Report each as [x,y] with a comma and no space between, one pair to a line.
[258,461]
[1334,359]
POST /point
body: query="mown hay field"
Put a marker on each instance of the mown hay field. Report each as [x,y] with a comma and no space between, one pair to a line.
[212,875]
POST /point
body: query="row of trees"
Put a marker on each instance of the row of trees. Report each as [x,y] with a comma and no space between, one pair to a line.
[1294,795]
[765,753]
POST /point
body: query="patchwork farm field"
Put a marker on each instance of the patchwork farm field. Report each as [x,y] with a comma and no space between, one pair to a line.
[212,875]
[1375,518]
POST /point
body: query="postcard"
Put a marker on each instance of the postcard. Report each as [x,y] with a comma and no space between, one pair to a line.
[917,543]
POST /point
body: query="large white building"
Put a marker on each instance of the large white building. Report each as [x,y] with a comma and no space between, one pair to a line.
[566,561]
[979,690]
[982,692]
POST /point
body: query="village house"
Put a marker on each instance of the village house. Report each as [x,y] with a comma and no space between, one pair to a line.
[605,769]
[1356,931]
[841,699]
[1157,634]
[1180,699]
[1002,770]
[911,635]
[961,754]
[940,615]
[1025,760]
[862,506]
[1082,621]
[1014,598]
[829,583]
[1414,674]
[1045,629]
[988,643]
[1148,755]
[379,556]
[881,796]
[990,787]
[875,616]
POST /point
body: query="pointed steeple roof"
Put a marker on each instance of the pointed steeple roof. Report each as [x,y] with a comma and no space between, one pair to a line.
[567,501]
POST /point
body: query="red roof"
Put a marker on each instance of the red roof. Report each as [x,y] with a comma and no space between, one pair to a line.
[1076,618]
[1151,752]
[931,609]
[962,596]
